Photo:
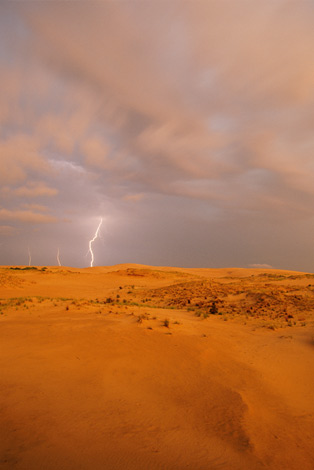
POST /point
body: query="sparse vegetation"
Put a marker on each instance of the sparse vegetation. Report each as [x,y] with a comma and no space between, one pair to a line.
[268,299]
[27,268]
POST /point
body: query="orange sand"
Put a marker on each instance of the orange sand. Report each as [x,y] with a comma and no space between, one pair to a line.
[93,385]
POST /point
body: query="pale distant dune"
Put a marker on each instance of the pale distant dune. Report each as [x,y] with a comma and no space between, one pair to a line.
[124,367]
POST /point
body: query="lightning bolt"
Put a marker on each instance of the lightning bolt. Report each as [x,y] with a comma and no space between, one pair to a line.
[58,257]
[29,257]
[92,241]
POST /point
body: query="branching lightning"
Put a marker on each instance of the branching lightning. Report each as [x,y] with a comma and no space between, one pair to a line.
[58,257]
[92,241]
[29,257]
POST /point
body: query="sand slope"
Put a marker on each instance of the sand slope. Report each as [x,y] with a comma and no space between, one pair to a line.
[90,380]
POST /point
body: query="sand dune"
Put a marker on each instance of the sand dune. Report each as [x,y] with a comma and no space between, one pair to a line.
[124,367]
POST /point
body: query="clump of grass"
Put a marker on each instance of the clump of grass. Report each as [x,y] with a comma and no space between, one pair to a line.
[27,268]
[142,317]
[200,313]
[165,323]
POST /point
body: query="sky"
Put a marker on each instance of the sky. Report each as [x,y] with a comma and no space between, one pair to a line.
[186,126]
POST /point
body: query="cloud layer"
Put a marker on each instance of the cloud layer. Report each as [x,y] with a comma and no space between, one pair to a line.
[188,125]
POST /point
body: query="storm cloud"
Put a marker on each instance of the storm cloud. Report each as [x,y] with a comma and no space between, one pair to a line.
[187,126]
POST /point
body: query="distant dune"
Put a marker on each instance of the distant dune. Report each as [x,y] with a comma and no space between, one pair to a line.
[136,367]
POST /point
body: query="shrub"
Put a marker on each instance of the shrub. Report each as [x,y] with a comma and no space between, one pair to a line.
[142,317]
[213,309]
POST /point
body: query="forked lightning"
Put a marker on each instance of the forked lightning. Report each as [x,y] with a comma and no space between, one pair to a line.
[92,241]
[58,257]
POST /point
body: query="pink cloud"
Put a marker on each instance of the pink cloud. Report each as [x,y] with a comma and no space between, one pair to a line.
[6,230]
[35,207]
[134,197]
[34,189]
[18,155]
[26,216]
[261,266]
[96,152]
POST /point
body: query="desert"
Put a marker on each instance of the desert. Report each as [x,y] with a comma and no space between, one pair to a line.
[156,235]
[139,367]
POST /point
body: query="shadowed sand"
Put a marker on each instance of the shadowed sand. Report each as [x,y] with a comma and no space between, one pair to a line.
[124,368]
